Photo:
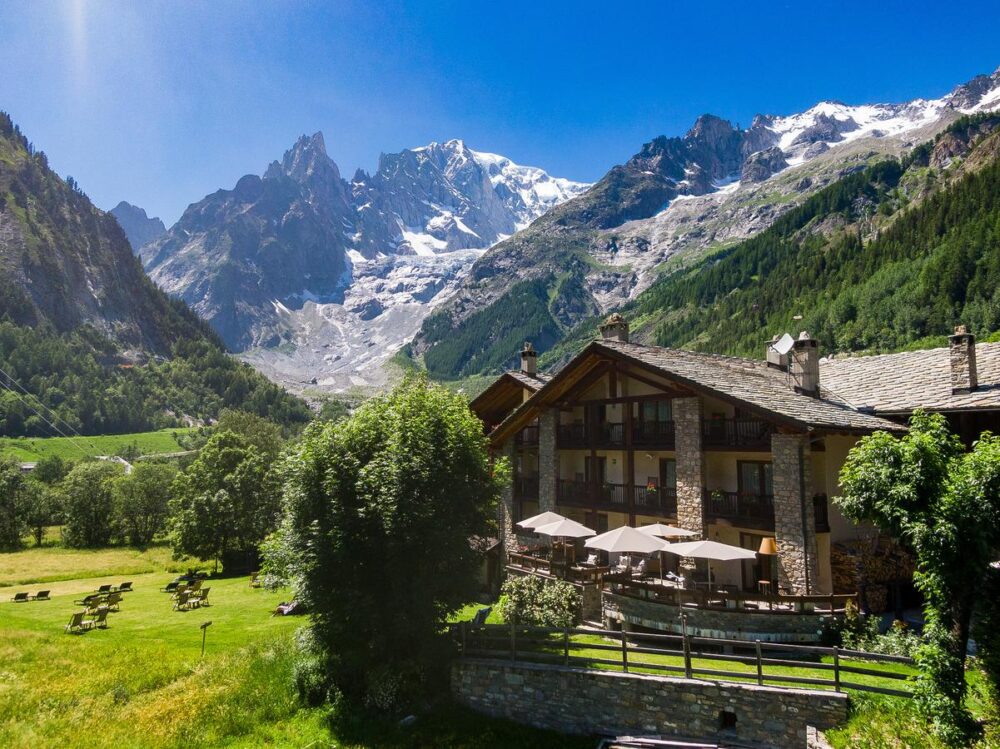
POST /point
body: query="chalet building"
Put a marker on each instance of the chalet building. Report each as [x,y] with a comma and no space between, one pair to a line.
[736,450]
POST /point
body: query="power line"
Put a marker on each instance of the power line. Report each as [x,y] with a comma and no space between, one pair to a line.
[39,414]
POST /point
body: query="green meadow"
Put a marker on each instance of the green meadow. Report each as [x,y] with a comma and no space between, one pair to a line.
[31,449]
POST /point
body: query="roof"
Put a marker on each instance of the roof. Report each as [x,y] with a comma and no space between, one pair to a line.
[747,382]
[901,383]
[505,394]
[532,382]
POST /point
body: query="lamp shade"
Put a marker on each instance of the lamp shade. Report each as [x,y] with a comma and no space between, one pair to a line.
[768,547]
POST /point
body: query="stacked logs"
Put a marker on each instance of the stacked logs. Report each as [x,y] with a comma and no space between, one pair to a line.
[870,566]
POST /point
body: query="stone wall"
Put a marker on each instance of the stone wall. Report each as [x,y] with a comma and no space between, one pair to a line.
[506,531]
[794,515]
[690,464]
[580,701]
[548,460]
[738,624]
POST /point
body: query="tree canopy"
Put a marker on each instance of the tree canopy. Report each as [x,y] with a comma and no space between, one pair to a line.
[380,510]
[89,503]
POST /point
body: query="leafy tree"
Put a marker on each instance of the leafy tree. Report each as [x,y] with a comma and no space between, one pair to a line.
[13,524]
[142,502]
[379,512]
[42,504]
[259,432]
[51,469]
[945,505]
[89,503]
[225,503]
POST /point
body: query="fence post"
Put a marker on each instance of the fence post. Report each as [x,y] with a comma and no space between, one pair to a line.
[513,642]
[624,649]
[565,646]
[687,657]
[836,669]
[760,666]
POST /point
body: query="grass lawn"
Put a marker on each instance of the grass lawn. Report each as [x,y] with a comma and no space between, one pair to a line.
[142,682]
[31,449]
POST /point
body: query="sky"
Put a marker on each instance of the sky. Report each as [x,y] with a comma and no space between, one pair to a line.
[161,103]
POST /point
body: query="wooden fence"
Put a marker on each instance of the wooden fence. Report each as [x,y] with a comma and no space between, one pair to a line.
[772,663]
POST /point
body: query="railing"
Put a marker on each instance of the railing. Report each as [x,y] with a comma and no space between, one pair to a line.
[610,434]
[740,661]
[653,434]
[559,568]
[658,500]
[745,510]
[741,433]
[527,436]
[585,493]
[778,604]
[526,487]
[822,513]
[572,435]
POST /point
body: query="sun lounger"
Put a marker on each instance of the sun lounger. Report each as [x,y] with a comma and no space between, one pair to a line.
[42,595]
[480,618]
[76,623]
[170,587]
[100,621]
[182,602]
[255,580]
[124,588]
[288,608]
[201,596]
[104,588]
[194,586]
[113,601]
[20,598]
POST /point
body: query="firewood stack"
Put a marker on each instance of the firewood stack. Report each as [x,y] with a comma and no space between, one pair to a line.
[868,567]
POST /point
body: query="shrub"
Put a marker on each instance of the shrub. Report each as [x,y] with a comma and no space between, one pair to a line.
[545,603]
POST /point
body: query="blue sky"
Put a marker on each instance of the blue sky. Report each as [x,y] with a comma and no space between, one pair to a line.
[160,103]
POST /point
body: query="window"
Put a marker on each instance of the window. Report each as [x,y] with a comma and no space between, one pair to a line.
[668,474]
[755,478]
[652,411]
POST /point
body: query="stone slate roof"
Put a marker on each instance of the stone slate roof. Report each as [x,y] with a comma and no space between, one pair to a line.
[901,383]
[529,381]
[752,382]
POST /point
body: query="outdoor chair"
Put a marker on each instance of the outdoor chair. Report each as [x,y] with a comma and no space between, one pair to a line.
[20,598]
[124,588]
[194,586]
[591,560]
[90,600]
[104,588]
[42,595]
[170,587]
[183,601]
[255,580]
[200,597]
[100,621]
[480,618]
[114,602]
[76,623]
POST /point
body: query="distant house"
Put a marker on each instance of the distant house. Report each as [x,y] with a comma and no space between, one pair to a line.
[737,450]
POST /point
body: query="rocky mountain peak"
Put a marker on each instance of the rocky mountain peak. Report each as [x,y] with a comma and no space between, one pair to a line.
[305,160]
[710,130]
[138,227]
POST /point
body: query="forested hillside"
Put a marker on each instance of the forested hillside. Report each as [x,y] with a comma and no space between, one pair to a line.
[890,257]
[87,341]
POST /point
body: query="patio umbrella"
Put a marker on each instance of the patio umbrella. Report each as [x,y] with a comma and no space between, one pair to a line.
[625,540]
[565,528]
[665,531]
[710,550]
[543,519]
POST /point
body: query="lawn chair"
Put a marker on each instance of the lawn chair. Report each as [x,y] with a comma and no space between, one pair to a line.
[480,618]
[183,602]
[20,598]
[100,621]
[170,587]
[124,588]
[90,600]
[201,597]
[255,580]
[194,586]
[113,602]
[76,623]
[104,588]
[42,595]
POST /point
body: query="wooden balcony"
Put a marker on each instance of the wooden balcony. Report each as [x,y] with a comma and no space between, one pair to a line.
[572,436]
[736,434]
[527,437]
[740,509]
[526,487]
[659,501]
[610,434]
[586,494]
[654,434]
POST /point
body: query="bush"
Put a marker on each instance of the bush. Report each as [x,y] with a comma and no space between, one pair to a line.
[857,631]
[532,600]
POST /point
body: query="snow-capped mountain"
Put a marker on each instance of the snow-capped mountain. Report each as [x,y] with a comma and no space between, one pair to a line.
[303,259]
[710,188]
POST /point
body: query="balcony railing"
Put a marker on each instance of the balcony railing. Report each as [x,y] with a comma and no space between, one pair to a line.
[572,492]
[654,434]
[526,487]
[527,436]
[610,434]
[657,501]
[572,435]
[736,433]
[744,510]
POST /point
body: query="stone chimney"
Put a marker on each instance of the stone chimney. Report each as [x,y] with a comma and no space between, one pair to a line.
[962,353]
[529,359]
[615,328]
[803,364]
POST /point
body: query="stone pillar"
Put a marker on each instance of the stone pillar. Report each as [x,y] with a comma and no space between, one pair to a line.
[690,464]
[548,460]
[505,512]
[794,515]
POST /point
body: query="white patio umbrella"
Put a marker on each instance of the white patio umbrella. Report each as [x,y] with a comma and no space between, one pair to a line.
[710,550]
[625,540]
[665,531]
[565,528]
[544,518]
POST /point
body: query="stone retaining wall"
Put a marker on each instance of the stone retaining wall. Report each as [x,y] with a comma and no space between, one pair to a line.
[579,701]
